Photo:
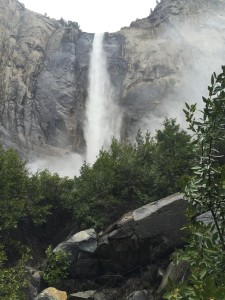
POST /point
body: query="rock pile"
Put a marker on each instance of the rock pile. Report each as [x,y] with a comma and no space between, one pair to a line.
[141,237]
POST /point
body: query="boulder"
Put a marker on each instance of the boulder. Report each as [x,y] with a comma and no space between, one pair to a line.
[81,247]
[147,233]
[90,295]
[206,218]
[176,272]
[84,241]
[52,294]
[83,295]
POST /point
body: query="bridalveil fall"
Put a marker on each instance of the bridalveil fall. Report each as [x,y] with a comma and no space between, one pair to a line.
[103,115]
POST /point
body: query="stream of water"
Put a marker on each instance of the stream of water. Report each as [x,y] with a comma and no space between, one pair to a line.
[103,116]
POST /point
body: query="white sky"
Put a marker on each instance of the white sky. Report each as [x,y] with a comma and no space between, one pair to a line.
[94,15]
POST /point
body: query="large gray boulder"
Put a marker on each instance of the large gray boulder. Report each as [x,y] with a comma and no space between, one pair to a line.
[140,237]
[147,233]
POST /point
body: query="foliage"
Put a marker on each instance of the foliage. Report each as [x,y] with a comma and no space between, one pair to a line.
[206,258]
[174,148]
[26,202]
[206,192]
[118,178]
[46,196]
[13,176]
[131,174]
[34,208]
[13,279]
[57,265]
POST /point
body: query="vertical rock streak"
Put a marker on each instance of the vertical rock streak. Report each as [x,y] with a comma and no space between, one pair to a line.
[103,116]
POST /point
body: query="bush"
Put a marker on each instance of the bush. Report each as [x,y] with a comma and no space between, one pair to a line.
[205,250]
[13,279]
[26,203]
[57,267]
[129,175]
[13,179]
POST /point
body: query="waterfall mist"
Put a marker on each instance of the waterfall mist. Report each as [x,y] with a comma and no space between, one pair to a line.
[103,116]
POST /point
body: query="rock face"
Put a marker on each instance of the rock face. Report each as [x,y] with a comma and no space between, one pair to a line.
[43,75]
[166,54]
[155,64]
[137,239]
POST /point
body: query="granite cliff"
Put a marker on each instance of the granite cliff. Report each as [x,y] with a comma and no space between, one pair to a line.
[156,65]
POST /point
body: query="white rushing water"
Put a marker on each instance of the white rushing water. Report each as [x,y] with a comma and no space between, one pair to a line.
[103,116]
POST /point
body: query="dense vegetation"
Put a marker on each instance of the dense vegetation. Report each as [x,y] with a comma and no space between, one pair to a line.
[34,208]
[131,174]
[27,205]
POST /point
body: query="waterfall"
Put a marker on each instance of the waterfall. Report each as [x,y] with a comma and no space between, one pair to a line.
[103,116]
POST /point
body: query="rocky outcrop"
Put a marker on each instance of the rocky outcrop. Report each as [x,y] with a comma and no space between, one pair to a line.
[143,237]
[137,239]
[43,72]
[155,65]
[170,59]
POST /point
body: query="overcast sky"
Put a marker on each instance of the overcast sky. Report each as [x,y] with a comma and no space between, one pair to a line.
[94,15]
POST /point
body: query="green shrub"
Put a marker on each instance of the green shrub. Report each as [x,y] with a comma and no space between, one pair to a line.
[13,279]
[205,249]
[129,175]
[57,267]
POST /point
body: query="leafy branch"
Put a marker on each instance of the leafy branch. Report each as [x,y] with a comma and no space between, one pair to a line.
[206,190]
